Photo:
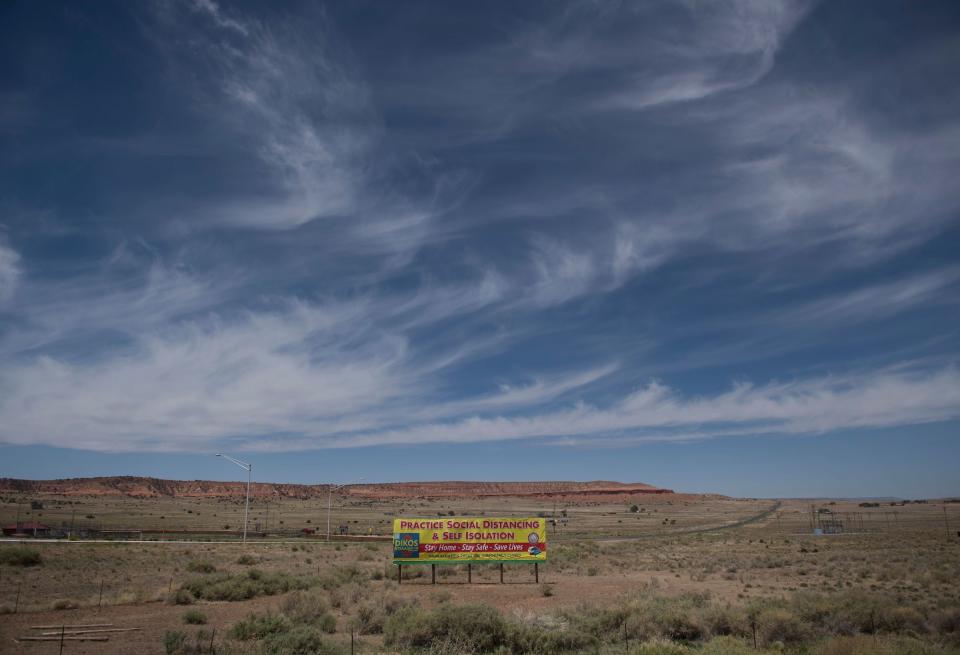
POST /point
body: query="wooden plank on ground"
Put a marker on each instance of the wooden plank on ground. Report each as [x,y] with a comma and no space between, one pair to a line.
[57,627]
[74,638]
[88,632]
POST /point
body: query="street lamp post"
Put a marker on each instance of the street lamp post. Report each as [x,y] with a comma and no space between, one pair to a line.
[330,500]
[246,507]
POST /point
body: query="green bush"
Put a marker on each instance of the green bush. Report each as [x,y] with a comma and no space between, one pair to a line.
[727,646]
[174,642]
[474,628]
[662,647]
[244,587]
[181,597]
[903,620]
[537,640]
[725,621]
[300,640]
[259,627]
[20,556]
[201,567]
[644,617]
[305,606]
[781,625]
[676,619]
[194,617]
[340,576]
[247,560]
[372,616]
[948,621]
[880,645]
[602,622]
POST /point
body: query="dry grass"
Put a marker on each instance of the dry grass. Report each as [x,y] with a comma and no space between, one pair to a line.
[647,581]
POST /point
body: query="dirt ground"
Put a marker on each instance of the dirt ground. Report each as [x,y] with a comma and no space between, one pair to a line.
[734,551]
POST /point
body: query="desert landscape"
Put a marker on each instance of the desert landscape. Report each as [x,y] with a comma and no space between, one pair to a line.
[555,327]
[632,569]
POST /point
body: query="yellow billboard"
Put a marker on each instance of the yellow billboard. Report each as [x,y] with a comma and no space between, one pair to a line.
[466,539]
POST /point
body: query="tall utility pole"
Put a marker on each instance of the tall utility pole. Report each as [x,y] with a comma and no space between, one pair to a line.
[946,524]
[330,491]
[246,507]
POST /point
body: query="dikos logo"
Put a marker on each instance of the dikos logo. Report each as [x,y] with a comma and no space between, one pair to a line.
[406,545]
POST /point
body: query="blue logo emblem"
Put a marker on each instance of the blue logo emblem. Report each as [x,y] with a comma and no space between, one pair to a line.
[406,545]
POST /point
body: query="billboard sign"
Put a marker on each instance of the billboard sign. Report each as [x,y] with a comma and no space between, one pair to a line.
[459,540]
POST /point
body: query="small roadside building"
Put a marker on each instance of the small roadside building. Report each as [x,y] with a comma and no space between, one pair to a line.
[31,529]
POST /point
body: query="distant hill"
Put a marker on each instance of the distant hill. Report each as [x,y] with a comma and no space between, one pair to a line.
[143,487]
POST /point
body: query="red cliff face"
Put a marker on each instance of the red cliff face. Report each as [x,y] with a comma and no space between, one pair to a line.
[452,489]
[141,487]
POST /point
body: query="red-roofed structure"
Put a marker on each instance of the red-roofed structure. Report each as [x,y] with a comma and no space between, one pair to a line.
[32,528]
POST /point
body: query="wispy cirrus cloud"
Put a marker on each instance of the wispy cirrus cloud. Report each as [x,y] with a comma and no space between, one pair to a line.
[571,222]
[724,48]
[658,413]
[9,272]
[289,101]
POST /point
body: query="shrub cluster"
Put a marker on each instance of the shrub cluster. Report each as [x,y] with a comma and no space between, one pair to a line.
[201,567]
[194,617]
[259,627]
[251,584]
[311,608]
[300,628]
[371,616]
[842,624]
[20,556]
[474,628]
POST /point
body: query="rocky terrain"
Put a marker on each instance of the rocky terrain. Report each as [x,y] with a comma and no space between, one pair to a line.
[143,487]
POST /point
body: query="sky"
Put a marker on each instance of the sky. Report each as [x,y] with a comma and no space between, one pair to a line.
[709,246]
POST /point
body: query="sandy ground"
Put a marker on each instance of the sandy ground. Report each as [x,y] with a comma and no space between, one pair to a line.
[518,596]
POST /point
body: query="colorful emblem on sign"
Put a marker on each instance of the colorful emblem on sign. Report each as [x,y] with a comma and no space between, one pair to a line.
[406,545]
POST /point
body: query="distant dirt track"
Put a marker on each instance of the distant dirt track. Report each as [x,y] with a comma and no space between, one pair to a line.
[728,526]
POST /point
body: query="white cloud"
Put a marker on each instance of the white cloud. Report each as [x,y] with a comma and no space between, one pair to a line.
[827,176]
[304,375]
[172,358]
[875,301]
[657,413]
[9,272]
[715,47]
[212,9]
[561,273]
[187,386]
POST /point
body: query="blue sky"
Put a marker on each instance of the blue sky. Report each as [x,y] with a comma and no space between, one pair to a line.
[710,246]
